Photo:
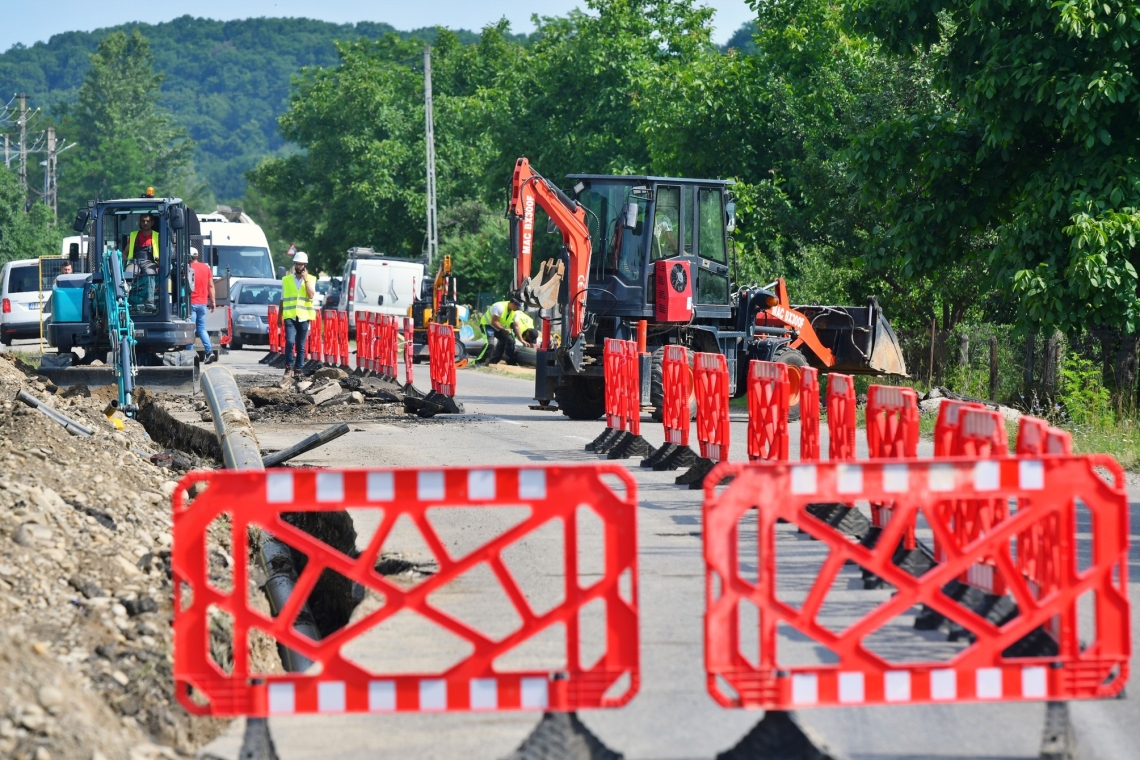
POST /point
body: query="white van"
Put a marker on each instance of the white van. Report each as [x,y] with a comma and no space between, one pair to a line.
[22,300]
[237,246]
[378,283]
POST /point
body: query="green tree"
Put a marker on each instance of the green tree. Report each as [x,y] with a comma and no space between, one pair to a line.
[1026,156]
[24,235]
[126,142]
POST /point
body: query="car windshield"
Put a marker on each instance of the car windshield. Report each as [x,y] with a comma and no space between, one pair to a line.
[323,286]
[24,279]
[260,294]
[616,248]
[243,261]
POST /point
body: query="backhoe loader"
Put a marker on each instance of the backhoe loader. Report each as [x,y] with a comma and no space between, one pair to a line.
[441,308]
[655,250]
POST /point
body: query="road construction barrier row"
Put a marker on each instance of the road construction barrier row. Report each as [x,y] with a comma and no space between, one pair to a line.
[1046,584]
[327,341]
[1045,490]
[377,339]
[622,381]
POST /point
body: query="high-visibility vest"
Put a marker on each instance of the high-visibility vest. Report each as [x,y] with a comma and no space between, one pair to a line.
[524,321]
[153,243]
[295,303]
[506,320]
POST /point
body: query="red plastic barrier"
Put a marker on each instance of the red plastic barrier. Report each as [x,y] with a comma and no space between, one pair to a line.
[550,496]
[228,335]
[632,387]
[809,415]
[710,379]
[677,386]
[946,427]
[389,342]
[768,394]
[344,347]
[1045,490]
[409,349]
[892,433]
[981,433]
[313,345]
[274,332]
[1034,436]
[840,416]
[363,339]
[612,352]
[441,353]
[331,344]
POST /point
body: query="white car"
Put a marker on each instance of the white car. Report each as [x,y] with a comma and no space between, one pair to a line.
[21,300]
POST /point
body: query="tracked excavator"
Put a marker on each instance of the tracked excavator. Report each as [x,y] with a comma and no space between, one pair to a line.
[124,317]
[656,250]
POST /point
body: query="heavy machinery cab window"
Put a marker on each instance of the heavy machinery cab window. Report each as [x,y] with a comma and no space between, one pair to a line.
[619,249]
[666,241]
[711,210]
[243,261]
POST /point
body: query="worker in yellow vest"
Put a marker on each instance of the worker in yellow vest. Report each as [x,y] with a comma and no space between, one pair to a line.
[144,241]
[297,291]
[502,323]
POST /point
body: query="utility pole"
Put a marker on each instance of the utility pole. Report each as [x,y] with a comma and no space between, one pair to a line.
[50,188]
[23,142]
[7,155]
[432,230]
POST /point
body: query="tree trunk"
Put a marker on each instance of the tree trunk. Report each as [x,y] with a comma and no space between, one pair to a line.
[1124,369]
[1054,346]
[993,368]
[1030,360]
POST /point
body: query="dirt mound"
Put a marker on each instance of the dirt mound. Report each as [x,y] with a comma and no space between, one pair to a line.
[85,592]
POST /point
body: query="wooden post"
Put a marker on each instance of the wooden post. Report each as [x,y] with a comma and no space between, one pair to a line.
[1027,375]
[930,371]
[964,350]
[1053,349]
[993,367]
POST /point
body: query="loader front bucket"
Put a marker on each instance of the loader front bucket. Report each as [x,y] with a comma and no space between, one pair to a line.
[541,291]
[860,337]
[167,379]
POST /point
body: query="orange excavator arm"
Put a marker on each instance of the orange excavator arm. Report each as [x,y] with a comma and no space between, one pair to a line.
[528,189]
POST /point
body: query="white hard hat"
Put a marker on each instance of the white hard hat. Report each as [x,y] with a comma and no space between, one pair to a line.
[301,258]
[193,253]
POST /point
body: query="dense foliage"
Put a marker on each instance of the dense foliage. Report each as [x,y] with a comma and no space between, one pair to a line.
[126,142]
[225,82]
[24,234]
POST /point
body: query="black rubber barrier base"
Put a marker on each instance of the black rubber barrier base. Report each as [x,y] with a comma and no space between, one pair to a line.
[659,455]
[257,744]
[614,442]
[779,736]
[694,477]
[629,446]
[915,561]
[847,520]
[1058,742]
[561,736]
[266,359]
[431,405]
[606,435]
[683,456]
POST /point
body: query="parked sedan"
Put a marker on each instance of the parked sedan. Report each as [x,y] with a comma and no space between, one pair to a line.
[250,301]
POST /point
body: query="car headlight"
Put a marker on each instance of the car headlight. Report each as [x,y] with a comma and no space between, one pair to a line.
[247,319]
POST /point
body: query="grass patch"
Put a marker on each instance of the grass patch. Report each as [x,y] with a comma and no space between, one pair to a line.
[1120,440]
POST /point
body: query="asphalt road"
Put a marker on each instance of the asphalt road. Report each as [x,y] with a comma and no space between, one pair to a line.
[672,716]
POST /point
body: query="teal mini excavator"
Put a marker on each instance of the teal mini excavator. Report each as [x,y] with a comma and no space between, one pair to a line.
[123,317]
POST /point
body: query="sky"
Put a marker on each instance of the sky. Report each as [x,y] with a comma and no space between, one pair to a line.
[56,16]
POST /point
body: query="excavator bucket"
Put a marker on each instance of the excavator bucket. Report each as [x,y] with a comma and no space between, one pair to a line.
[860,337]
[541,291]
[183,380]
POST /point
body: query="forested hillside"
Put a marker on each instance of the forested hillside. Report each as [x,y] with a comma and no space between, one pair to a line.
[226,82]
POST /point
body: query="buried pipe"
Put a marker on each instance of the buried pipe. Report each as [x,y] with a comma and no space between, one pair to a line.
[240,451]
[68,424]
[308,444]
